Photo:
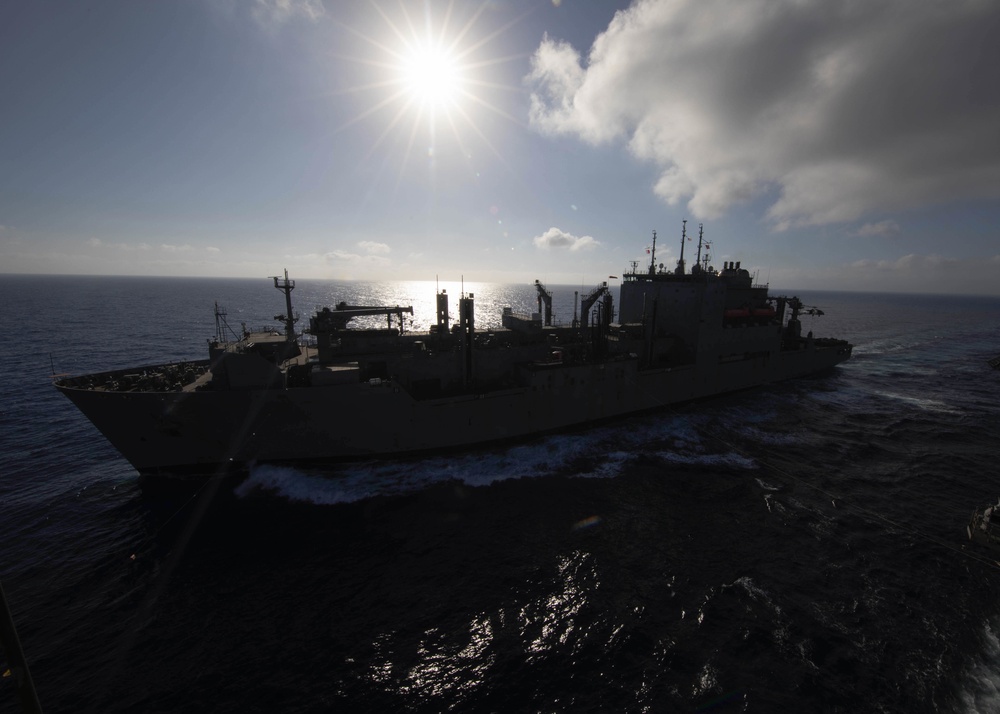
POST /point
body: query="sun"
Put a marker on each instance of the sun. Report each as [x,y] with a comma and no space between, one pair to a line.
[431,76]
[430,72]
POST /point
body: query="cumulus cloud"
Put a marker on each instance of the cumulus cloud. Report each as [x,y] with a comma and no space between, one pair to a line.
[911,263]
[373,255]
[829,109]
[340,257]
[556,238]
[882,228]
[97,243]
[932,273]
[276,12]
[373,248]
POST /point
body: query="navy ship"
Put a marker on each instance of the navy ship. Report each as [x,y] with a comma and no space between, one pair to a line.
[346,393]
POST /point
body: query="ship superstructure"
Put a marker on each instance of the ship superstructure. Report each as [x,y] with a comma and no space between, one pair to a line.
[676,335]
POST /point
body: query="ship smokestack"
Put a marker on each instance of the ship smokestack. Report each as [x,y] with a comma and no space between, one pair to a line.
[467,323]
[442,312]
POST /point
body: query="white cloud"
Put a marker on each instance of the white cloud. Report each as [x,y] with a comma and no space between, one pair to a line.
[277,12]
[912,273]
[176,248]
[373,255]
[373,248]
[832,108]
[339,257]
[97,243]
[213,249]
[882,228]
[906,264]
[556,238]
[929,271]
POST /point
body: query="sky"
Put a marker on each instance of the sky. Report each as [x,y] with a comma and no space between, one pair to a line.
[826,144]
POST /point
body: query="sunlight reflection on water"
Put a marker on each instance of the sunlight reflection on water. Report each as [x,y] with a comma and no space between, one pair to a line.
[452,666]
[490,300]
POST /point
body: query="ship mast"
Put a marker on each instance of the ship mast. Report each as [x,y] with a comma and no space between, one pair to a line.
[680,263]
[286,286]
[701,233]
[652,256]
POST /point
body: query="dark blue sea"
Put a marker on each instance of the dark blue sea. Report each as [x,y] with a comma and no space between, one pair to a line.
[799,547]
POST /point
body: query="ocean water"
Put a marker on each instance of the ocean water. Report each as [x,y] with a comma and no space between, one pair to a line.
[799,547]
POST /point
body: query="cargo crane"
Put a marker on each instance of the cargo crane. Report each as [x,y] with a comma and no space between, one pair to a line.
[544,296]
[588,302]
[793,328]
[337,319]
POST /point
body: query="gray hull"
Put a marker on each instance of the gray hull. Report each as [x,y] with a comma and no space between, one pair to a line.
[202,431]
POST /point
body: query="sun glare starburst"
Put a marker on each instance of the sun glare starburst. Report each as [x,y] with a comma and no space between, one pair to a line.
[431,76]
